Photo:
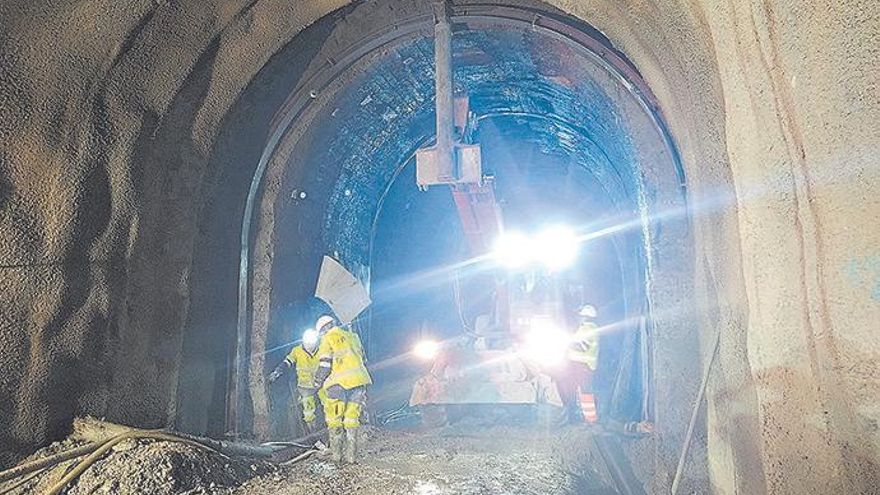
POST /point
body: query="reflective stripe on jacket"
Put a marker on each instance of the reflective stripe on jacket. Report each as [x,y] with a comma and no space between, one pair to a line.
[306,365]
[342,350]
[585,346]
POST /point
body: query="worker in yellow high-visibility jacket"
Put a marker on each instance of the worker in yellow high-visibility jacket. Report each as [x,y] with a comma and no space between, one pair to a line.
[304,358]
[342,372]
[584,354]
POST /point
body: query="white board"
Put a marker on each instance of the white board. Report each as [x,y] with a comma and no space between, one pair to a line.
[341,290]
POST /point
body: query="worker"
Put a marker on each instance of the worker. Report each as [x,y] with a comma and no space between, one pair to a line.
[304,358]
[342,372]
[584,355]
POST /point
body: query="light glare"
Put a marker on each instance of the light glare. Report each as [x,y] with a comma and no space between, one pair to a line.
[556,247]
[513,250]
[546,343]
[426,349]
[310,337]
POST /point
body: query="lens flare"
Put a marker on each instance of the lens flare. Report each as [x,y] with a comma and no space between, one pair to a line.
[427,349]
[556,247]
[513,250]
[546,343]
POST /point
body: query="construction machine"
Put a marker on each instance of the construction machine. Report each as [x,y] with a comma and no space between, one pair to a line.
[507,353]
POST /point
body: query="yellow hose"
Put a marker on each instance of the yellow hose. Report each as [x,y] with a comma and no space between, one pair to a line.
[23,481]
[44,462]
[84,464]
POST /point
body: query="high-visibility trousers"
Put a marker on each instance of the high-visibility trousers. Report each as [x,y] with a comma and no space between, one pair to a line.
[308,401]
[588,407]
[343,407]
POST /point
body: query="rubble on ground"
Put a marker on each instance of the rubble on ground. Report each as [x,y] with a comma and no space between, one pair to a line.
[149,467]
[460,459]
[453,460]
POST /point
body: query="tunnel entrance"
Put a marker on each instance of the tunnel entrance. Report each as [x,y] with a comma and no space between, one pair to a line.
[564,120]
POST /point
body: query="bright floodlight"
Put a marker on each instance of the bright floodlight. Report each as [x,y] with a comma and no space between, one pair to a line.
[546,343]
[513,250]
[310,337]
[556,247]
[426,349]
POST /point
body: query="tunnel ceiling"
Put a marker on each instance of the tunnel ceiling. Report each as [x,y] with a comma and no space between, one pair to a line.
[364,133]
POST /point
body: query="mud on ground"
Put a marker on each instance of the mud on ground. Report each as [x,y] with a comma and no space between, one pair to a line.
[458,459]
[452,460]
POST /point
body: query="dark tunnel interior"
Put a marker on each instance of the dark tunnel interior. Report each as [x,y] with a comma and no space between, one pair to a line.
[563,143]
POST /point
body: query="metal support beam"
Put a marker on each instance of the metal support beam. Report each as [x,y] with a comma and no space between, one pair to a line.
[444,98]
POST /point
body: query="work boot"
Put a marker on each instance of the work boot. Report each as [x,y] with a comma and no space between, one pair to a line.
[336,439]
[351,445]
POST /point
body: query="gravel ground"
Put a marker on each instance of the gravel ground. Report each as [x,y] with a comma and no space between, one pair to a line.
[149,467]
[453,460]
[459,459]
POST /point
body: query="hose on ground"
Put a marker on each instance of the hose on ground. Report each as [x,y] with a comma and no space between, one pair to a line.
[305,455]
[37,464]
[404,411]
[84,464]
[281,445]
[22,481]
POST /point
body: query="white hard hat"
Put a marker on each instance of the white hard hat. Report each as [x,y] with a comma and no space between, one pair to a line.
[588,311]
[310,340]
[323,321]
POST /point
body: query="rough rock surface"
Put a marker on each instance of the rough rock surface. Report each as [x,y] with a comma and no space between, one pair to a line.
[128,131]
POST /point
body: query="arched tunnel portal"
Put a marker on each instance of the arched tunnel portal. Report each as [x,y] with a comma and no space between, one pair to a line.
[569,130]
[171,173]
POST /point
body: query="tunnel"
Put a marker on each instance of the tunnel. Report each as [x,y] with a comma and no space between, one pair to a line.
[518,113]
[172,174]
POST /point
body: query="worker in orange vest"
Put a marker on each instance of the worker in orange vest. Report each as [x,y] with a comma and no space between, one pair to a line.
[584,356]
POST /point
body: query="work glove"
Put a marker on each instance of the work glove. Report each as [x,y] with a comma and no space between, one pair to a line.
[277,372]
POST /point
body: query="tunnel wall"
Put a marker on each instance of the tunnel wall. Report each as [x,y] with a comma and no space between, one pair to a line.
[113,169]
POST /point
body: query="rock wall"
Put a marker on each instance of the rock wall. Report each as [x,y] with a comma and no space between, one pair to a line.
[115,185]
[128,129]
[797,85]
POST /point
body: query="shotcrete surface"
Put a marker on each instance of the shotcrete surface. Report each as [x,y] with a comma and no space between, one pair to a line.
[128,131]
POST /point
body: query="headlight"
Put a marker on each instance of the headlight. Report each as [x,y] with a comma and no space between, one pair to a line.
[427,349]
[546,343]
[556,247]
[310,337]
[513,250]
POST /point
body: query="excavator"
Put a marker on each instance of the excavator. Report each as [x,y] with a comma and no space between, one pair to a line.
[508,352]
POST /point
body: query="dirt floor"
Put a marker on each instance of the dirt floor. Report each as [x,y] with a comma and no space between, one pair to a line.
[452,460]
[460,459]
[147,467]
